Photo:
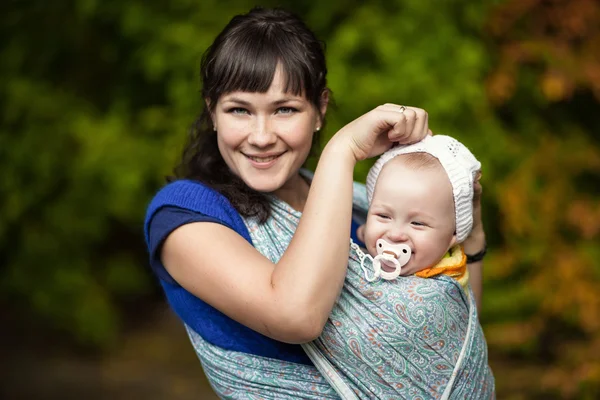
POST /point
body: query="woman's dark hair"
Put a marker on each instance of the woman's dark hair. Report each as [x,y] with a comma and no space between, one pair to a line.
[244,57]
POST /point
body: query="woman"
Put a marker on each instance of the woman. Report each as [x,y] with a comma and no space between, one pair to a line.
[221,239]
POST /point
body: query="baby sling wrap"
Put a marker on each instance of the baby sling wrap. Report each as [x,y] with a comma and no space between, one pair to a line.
[397,339]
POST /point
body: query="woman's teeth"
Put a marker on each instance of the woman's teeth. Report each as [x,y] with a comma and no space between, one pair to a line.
[262,159]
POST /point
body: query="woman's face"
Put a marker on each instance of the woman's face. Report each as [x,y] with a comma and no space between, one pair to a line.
[265,137]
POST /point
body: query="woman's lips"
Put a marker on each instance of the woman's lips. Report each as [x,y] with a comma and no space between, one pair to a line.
[263,161]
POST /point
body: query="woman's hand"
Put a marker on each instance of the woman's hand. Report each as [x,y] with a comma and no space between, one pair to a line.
[374,132]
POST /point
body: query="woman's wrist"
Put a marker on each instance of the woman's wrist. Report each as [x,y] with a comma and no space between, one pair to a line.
[337,148]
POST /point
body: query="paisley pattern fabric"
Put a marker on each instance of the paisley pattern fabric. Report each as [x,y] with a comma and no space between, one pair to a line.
[401,339]
[396,339]
[235,375]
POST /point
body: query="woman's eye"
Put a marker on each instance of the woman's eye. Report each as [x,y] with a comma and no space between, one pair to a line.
[237,110]
[286,110]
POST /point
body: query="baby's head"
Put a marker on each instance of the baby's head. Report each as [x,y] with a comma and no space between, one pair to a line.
[421,195]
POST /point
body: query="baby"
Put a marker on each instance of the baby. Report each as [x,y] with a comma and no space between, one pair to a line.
[421,209]
[410,337]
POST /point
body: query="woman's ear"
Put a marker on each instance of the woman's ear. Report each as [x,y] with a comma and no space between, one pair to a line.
[323,103]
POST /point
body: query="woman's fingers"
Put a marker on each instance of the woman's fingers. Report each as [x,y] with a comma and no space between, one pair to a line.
[477,189]
[376,131]
[421,127]
[406,128]
[411,125]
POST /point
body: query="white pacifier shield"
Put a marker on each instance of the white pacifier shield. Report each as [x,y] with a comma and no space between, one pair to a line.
[396,254]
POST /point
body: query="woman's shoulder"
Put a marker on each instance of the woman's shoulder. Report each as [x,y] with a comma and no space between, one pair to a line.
[199,198]
[188,194]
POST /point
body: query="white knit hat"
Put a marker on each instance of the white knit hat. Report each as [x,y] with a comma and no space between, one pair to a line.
[458,162]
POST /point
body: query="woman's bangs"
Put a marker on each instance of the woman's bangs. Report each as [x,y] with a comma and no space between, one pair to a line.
[254,68]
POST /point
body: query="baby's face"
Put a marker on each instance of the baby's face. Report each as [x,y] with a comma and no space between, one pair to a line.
[414,207]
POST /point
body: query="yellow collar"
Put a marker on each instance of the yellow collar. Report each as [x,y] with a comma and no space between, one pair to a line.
[453,264]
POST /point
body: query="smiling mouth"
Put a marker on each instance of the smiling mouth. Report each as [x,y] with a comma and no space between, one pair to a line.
[263,159]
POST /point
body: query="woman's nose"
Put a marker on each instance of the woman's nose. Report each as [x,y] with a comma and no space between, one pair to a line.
[262,134]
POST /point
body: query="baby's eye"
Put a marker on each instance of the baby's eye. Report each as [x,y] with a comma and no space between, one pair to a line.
[383,216]
[286,110]
[237,110]
[417,223]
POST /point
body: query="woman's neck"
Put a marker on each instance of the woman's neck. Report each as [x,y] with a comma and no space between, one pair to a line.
[294,192]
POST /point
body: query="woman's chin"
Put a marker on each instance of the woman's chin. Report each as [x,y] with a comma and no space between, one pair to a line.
[263,185]
[263,188]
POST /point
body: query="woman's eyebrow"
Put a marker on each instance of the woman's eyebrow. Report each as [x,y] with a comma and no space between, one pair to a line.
[236,100]
[285,100]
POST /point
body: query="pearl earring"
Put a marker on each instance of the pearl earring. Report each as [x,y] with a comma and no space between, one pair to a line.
[214,128]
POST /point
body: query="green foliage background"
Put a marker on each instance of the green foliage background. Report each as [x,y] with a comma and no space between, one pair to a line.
[96,98]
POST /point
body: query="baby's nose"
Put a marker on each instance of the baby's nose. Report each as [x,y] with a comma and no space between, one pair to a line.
[397,236]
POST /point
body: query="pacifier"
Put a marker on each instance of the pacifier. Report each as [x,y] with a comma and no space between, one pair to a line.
[391,255]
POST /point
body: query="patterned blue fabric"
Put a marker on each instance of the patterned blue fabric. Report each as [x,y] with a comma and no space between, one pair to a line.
[396,339]
[235,375]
